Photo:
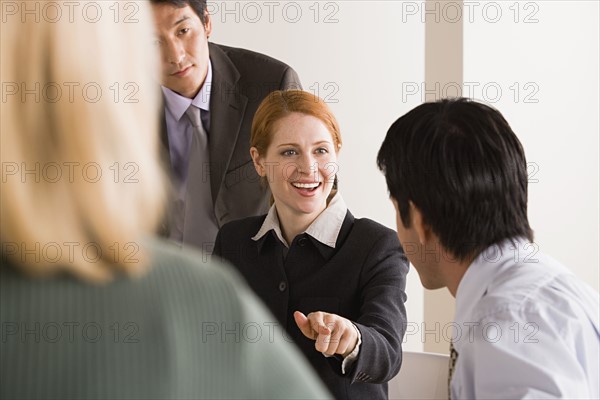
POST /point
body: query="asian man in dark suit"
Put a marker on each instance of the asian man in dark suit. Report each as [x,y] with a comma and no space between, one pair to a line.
[211,93]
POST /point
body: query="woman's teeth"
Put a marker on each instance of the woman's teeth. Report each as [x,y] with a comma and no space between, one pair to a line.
[306,185]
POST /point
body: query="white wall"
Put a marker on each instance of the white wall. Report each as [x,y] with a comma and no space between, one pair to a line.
[550,50]
[357,55]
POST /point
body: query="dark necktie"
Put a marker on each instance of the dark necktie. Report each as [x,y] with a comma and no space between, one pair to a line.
[180,156]
[199,133]
[200,226]
[451,364]
[181,153]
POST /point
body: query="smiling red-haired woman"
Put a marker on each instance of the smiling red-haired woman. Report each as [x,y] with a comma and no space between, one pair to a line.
[335,282]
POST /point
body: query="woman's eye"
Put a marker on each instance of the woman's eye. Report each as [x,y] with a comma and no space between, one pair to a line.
[288,153]
[322,150]
[184,31]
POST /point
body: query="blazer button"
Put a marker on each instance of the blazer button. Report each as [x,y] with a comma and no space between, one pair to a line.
[282,286]
[302,241]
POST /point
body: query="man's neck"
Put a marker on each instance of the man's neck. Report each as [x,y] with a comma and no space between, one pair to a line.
[453,270]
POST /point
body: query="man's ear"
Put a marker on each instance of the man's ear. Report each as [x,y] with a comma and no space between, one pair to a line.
[258,164]
[423,230]
[207,24]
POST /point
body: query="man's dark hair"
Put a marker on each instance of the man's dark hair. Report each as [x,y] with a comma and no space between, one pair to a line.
[461,164]
[199,6]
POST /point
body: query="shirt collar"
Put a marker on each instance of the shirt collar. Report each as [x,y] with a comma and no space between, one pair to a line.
[177,104]
[325,228]
[482,272]
[271,223]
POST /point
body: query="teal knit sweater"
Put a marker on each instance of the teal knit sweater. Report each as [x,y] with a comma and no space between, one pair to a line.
[187,329]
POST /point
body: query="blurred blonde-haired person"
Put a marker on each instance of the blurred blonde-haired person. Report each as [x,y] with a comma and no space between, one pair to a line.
[90,305]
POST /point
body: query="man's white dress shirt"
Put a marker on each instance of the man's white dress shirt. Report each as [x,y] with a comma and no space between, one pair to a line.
[525,327]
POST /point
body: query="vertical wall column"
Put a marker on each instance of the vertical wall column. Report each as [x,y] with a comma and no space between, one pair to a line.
[443,66]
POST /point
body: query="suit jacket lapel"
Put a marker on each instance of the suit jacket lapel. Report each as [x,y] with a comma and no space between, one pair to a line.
[165,158]
[165,154]
[227,108]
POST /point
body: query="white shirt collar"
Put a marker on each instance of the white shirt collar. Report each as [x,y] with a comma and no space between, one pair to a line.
[482,273]
[325,228]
